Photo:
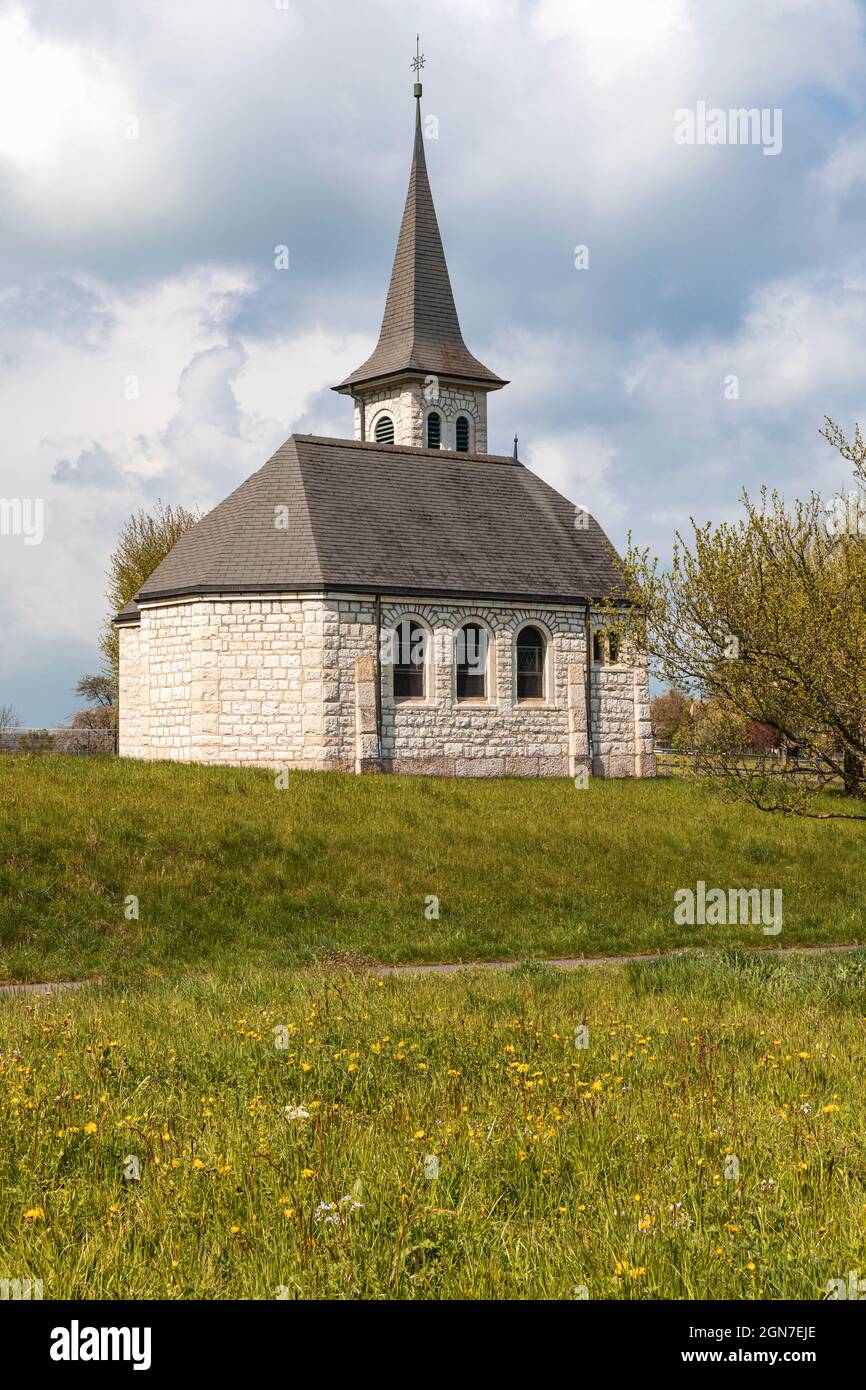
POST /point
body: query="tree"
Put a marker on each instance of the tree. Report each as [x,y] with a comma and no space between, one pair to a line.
[765,620]
[8,718]
[144,543]
[9,722]
[667,713]
[96,690]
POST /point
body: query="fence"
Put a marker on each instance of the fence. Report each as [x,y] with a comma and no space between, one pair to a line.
[670,762]
[78,742]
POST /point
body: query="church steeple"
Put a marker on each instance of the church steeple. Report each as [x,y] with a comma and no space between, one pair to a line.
[420,339]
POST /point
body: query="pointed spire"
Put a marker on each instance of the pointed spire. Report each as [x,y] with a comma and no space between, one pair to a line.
[420,330]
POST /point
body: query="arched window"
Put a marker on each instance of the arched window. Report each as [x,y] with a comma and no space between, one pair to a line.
[471,661]
[409,651]
[461,435]
[434,430]
[530,664]
[605,648]
[384,430]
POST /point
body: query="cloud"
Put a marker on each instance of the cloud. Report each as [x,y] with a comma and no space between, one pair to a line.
[94,467]
[153,156]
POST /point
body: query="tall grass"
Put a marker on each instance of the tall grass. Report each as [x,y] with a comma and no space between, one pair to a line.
[440,1138]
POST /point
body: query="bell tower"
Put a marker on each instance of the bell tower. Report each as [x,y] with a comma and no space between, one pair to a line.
[421,386]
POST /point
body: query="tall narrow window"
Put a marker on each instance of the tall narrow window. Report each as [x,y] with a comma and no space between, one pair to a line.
[471,654]
[613,648]
[530,664]
[384,430]
[434,430]
[461,434]
[408,651]
[597,648]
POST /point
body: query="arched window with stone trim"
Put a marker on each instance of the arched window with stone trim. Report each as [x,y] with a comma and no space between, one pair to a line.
[461,434]
[384,430]
[434,430]
[471,661]
[531,650]
[409,660]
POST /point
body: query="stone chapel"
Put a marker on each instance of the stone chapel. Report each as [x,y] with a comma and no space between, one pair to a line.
[402,601]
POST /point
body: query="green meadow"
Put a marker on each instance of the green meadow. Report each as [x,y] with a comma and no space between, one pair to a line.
[690,1129]
[227,872]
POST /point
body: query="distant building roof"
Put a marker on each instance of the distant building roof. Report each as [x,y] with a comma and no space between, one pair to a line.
[335,514]
[420,330]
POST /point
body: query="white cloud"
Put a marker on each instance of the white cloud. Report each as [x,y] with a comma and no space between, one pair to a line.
[148,258]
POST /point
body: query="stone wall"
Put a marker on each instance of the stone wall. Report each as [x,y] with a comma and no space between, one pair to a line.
[233,680]
[409,405]
[291,682]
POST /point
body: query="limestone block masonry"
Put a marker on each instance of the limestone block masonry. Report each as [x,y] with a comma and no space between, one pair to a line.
[290,681]
[409,405]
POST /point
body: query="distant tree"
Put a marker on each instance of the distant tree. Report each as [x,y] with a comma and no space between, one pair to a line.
[97,690]
[9,722]
[144,543]
[8,718]
[762,737]
[667,713]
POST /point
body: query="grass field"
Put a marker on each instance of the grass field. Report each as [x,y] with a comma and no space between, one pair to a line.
[707,1142]
[231,873]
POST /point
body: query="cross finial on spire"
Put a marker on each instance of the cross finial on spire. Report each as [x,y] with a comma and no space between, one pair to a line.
[417,64]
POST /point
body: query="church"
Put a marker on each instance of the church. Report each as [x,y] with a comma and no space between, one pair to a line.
[401,601]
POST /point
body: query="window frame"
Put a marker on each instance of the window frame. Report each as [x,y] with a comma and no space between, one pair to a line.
[546,696]
[607,649]
[427,672]
[464,417]
[429,416]
[489,696]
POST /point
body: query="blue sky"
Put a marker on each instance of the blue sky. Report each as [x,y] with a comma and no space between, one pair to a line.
[151,259]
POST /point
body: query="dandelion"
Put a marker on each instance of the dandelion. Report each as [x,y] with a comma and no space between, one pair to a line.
[90,1127]
[307,1173]
[35,1214]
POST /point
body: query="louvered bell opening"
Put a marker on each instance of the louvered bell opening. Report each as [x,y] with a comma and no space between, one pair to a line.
[461,435]
[385,430]
[434,430]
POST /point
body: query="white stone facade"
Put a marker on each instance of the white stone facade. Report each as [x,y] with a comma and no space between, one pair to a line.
[409,404]
[291,681]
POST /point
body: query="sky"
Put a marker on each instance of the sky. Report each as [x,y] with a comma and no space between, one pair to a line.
[153,155]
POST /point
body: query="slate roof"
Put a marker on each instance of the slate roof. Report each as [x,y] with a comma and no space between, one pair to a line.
[420,330]
[388,519]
